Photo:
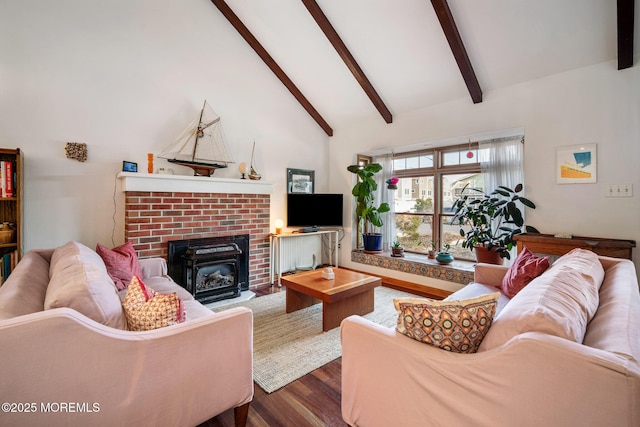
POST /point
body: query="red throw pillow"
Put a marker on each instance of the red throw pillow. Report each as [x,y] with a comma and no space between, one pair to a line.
[525,268]
[121,262]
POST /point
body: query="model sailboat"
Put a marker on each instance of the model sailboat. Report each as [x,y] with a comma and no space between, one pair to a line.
[201,146]
[253,174]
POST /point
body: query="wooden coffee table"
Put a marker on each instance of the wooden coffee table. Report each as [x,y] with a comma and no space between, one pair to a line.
[348,293]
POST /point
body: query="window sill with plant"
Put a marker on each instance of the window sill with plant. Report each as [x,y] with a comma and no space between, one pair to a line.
[437,208]
[457,271]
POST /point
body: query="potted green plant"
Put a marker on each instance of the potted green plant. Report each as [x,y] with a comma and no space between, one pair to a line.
[396,249]
[366,209]
[491,220]
[431,253]
[444,256]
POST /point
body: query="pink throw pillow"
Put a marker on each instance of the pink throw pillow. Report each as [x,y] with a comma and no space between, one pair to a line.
[121,262]
[525,268]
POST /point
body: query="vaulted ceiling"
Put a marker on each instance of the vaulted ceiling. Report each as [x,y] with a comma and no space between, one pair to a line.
[351,59]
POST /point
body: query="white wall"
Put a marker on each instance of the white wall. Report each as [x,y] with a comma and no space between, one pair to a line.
[596,104]
[125,78]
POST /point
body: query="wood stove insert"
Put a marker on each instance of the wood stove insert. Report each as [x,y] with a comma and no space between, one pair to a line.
[211,269]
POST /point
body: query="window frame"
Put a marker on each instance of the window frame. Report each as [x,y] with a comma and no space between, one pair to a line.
[437,172]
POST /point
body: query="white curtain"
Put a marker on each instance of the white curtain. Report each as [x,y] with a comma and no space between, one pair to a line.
[385,195]
[501,161]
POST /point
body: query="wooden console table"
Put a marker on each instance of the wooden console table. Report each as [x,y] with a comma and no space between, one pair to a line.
[549,245]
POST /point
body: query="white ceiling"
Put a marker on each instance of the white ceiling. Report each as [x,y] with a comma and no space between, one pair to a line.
[402,49]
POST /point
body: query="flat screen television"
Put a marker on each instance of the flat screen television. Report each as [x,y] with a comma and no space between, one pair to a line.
[314,210]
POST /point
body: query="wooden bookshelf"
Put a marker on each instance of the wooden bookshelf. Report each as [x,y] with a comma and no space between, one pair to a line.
[11,208]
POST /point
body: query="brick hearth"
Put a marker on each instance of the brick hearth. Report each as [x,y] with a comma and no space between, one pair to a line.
[152,218]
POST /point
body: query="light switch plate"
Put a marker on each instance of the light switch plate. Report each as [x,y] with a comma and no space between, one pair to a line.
[619,190]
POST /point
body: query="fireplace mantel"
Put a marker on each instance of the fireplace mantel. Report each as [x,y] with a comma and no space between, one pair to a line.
[135,181]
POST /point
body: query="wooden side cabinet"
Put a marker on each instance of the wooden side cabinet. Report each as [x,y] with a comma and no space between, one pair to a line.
[549,245]
[11,209]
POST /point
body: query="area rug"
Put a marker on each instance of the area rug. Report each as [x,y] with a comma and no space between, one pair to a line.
[289,346]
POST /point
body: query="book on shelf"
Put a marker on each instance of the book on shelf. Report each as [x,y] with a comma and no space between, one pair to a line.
[7,264]
[7,179]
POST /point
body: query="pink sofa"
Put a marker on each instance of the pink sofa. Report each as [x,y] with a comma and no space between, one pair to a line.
[530,378]
[78,365]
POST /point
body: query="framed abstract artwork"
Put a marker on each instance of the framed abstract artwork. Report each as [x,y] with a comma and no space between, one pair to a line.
[576,164]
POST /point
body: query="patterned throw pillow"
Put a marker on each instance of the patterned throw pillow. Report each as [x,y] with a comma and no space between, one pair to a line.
[145,309]
[457,326]
[121,262]
[526,267]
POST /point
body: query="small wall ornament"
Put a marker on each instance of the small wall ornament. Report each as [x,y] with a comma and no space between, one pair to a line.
[392,183]
[76,151]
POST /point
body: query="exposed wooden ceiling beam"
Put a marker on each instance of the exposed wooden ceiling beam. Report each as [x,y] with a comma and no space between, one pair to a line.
[271,63]
[625,33]
[457,47]
[326,27]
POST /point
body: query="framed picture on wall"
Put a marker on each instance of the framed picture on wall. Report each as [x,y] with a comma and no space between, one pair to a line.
[300,181]
[576,164]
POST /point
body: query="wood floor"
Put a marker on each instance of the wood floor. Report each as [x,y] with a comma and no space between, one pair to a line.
[313,400]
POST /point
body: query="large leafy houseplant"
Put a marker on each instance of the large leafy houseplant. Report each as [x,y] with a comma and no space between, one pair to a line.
[492,219]
[364,192]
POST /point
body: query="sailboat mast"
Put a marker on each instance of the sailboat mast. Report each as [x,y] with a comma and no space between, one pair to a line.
[195,146]
[253,174]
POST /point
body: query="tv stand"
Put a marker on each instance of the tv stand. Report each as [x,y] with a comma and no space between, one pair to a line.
[276,249]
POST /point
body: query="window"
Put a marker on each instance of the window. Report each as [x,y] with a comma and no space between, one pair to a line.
[430,182]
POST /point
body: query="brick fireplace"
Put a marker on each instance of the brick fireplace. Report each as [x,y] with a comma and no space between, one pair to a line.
[158,211]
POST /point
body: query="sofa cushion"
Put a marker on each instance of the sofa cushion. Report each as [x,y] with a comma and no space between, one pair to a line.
[475,289]
[79,280]
[121,262]
[586,263]
[166,285]
[195,310]
[25,289]
[559,302]
[615,326]
[457,326]
[524,269]
[145,309]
